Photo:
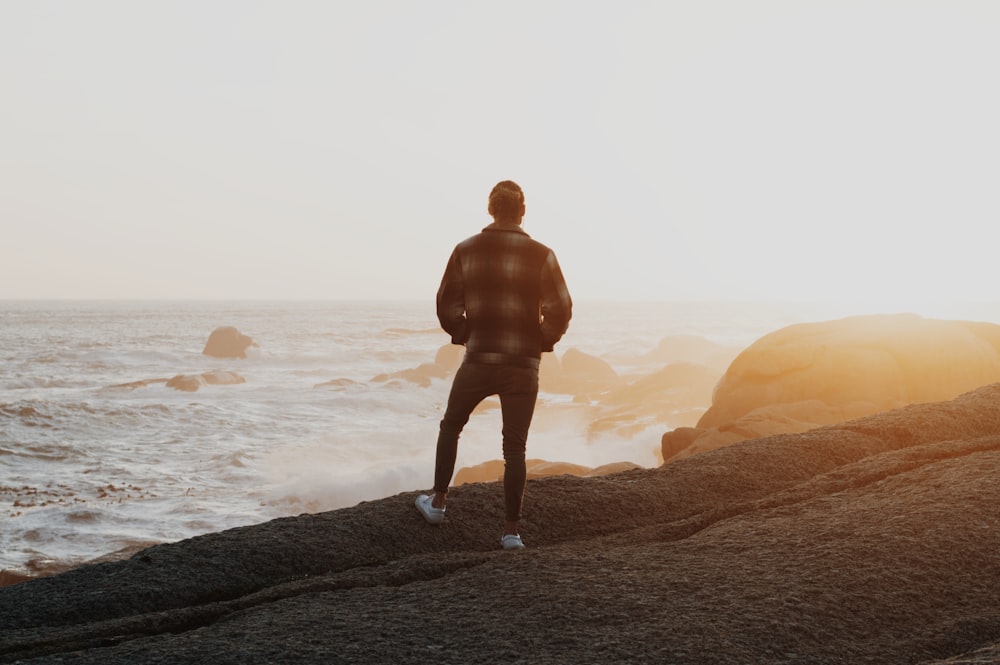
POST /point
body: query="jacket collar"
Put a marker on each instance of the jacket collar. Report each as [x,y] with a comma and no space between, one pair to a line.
[512,228]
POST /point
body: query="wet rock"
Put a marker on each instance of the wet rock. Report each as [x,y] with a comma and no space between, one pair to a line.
[192,382]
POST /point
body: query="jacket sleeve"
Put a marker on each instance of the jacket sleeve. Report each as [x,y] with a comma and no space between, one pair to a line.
[451,301]
[556,304]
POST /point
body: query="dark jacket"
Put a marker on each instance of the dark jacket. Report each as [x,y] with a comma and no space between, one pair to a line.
[504,293]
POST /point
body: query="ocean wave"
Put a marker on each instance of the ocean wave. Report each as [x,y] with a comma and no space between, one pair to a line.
[41,452]
[236,459]
[133,385]
[26,415]
[46,411]
[98,414]
[21,411]
[46,382]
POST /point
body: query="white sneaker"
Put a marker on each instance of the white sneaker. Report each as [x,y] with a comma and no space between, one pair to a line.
[431,514]
[511,541]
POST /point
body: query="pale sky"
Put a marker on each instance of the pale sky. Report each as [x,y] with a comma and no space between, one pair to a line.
[725,150]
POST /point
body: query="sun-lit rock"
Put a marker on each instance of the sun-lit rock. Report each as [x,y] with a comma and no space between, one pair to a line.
[543,469]
[812,374]
[492,470]
[485,472]
[612,467]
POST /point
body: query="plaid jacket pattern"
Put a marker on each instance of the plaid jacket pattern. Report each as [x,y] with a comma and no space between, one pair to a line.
[503,292]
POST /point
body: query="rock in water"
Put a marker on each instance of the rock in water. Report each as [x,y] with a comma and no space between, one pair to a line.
[192,382]
[228,342]
[218,377]
[186,382]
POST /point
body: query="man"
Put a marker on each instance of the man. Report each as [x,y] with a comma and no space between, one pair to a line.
[504,297]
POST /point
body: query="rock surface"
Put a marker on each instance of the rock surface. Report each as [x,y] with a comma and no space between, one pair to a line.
[873,541]
[812,374]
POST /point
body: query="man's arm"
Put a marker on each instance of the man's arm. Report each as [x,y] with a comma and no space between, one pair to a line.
[451,301]
[556,305]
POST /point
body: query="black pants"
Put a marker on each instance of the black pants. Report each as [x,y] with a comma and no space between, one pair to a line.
[518,390]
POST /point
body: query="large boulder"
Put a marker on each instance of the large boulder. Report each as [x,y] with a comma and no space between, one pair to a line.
[813,374]
[228,342]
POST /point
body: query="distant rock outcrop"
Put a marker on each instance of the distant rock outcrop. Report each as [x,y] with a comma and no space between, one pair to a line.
[446,362]
[228,342]
[420,375]
[186,382]
[486,472]
[692,348]
[677,393]
[812,374]
[341,384]
[576,373]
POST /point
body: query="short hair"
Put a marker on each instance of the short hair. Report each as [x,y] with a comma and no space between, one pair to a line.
[506,200]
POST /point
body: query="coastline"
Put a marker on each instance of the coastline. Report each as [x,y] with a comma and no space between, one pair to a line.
[867,541]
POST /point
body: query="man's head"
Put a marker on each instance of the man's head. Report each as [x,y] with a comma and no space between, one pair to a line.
[507,202]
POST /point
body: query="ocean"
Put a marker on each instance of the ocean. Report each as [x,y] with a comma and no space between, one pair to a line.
[97,456]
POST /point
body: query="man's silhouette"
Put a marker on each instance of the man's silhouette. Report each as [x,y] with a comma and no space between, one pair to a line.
[502,296]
